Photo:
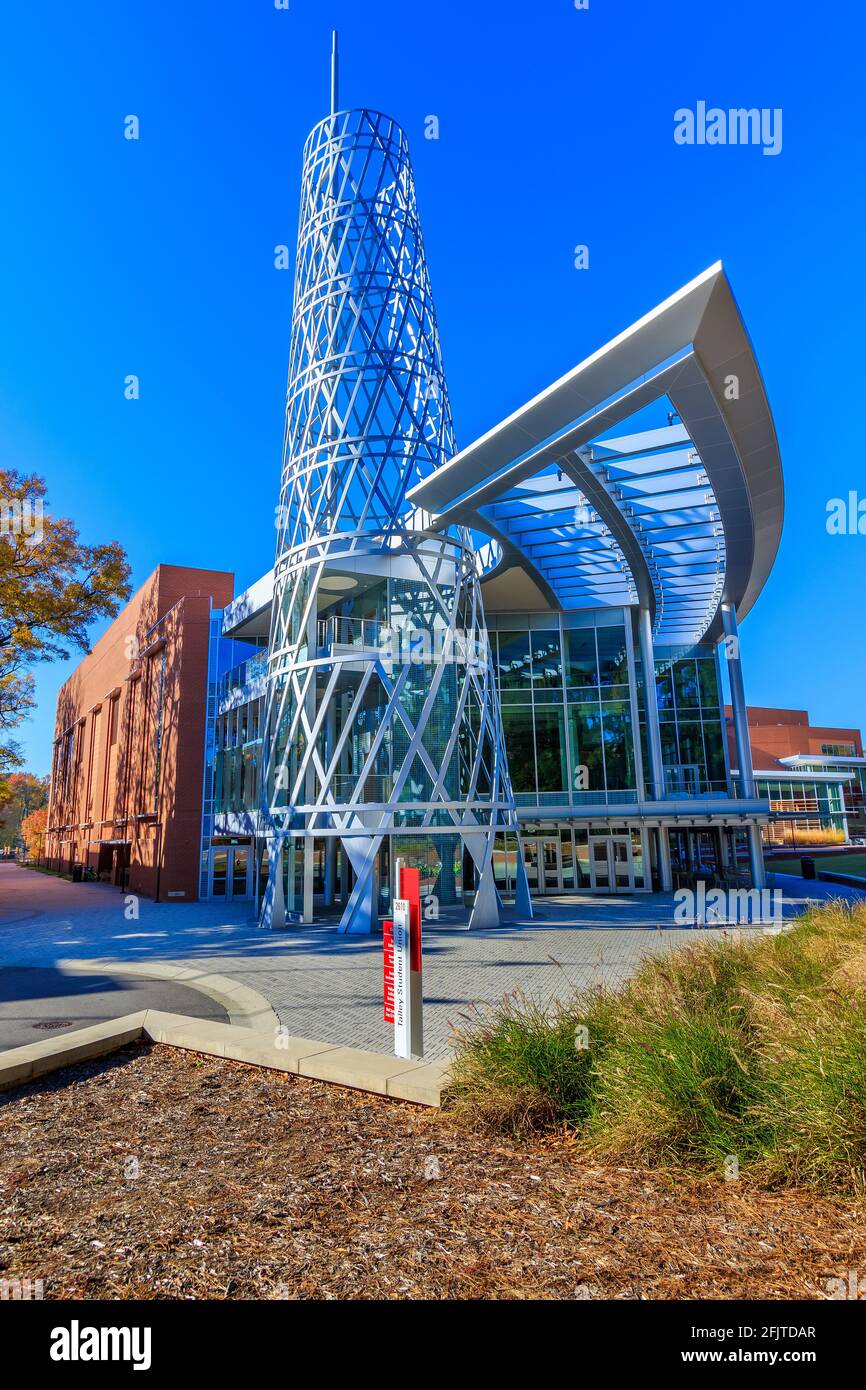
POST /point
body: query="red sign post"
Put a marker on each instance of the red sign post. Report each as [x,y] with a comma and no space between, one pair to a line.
[388,968]
[402,965]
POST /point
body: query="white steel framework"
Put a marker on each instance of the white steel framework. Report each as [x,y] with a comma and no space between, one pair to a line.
[382,720]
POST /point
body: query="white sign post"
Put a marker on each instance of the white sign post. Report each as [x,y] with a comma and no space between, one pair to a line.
[402,980]
[408,991]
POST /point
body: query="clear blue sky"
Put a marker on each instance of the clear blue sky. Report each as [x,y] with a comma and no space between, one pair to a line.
[556,128]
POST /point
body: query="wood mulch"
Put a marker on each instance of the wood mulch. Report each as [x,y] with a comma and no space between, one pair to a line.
[159,1174]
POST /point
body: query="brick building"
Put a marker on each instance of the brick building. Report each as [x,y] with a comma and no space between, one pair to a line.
[813,776]
[126,781]
[783,733]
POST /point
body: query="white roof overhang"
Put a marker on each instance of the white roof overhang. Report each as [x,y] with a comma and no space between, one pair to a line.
[682,526]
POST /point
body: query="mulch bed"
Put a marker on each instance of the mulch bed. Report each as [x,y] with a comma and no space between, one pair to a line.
[159,1174]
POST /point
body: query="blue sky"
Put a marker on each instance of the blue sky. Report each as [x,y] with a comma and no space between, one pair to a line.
[556,129]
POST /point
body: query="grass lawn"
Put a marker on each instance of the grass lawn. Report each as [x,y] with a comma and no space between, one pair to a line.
[837,863]
[156,1174]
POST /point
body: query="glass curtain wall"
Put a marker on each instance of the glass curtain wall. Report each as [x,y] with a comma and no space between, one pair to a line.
[690,721]
[814,811]
[566,706]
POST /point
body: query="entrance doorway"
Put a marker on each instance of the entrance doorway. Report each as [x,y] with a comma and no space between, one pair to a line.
[562,859]
[230,867]
[611,864]
[543,860]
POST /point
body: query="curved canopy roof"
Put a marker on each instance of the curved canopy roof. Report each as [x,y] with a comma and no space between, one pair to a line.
[679,518]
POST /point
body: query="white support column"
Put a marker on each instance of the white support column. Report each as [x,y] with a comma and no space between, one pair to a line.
[756,857]
[666,873]
[330,840]
[738,701]
[641,775]
[654,738]
[741,737]
[522,895]
[310,775]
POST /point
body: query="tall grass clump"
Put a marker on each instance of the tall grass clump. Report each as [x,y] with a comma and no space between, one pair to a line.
[751,1048]
[523,1068]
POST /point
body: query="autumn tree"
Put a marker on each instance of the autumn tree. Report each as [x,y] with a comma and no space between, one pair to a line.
[33,828]
[21,794]
[52,587]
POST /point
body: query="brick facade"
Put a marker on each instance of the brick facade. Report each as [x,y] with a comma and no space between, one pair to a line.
[126,777]
[782,733]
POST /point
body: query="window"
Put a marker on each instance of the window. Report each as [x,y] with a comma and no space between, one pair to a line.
[612,656]
[618,754]
[517,730]
[581,665]
[546,660]
[550,750]
[584,733]
[513,663]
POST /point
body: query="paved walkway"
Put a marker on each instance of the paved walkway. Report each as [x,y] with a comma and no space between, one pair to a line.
[329,987]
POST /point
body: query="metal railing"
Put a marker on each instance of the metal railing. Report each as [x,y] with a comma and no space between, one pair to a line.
[351,632]
[245,672]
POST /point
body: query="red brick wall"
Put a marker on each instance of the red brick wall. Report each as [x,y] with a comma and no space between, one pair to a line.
[782,733]
[109,790]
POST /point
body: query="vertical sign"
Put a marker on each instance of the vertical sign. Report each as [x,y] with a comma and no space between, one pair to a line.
[388,969]
[410,889]
[402,983]
[408,1018]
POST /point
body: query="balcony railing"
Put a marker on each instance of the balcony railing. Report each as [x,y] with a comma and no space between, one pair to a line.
[627,796]
[243,674]
[364,633]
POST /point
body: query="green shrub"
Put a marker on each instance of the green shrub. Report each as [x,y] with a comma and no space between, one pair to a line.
[753,1048]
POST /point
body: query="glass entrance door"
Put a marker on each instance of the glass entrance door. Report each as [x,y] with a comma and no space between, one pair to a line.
[551,865]
[611,863]
[530,859]
[599,863]
[230,872]
[543,864]
[240,872]
[623,872]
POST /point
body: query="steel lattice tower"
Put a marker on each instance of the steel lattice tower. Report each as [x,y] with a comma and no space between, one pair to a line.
[382,728]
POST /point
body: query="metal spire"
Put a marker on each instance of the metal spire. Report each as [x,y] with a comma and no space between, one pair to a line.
[335,72]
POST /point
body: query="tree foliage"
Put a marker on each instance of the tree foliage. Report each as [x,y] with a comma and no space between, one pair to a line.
[52,587]
[21,794]
[33,828]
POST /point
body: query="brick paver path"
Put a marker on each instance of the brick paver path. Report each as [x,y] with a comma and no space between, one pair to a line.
[327,986]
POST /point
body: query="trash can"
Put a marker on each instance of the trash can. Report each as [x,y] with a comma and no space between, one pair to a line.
[807,868]
[78,873]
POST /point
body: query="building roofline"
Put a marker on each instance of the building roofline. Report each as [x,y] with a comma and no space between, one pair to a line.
[735,438]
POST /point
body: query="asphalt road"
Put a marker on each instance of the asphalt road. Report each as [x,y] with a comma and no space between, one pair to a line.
[39,1002]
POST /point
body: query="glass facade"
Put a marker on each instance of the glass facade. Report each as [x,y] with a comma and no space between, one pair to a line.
[691,721]
[809,811]
[566,706]
[854,790]
[572,698]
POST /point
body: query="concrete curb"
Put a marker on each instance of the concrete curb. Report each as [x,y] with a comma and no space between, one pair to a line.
[418,1082]
[245,1006]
